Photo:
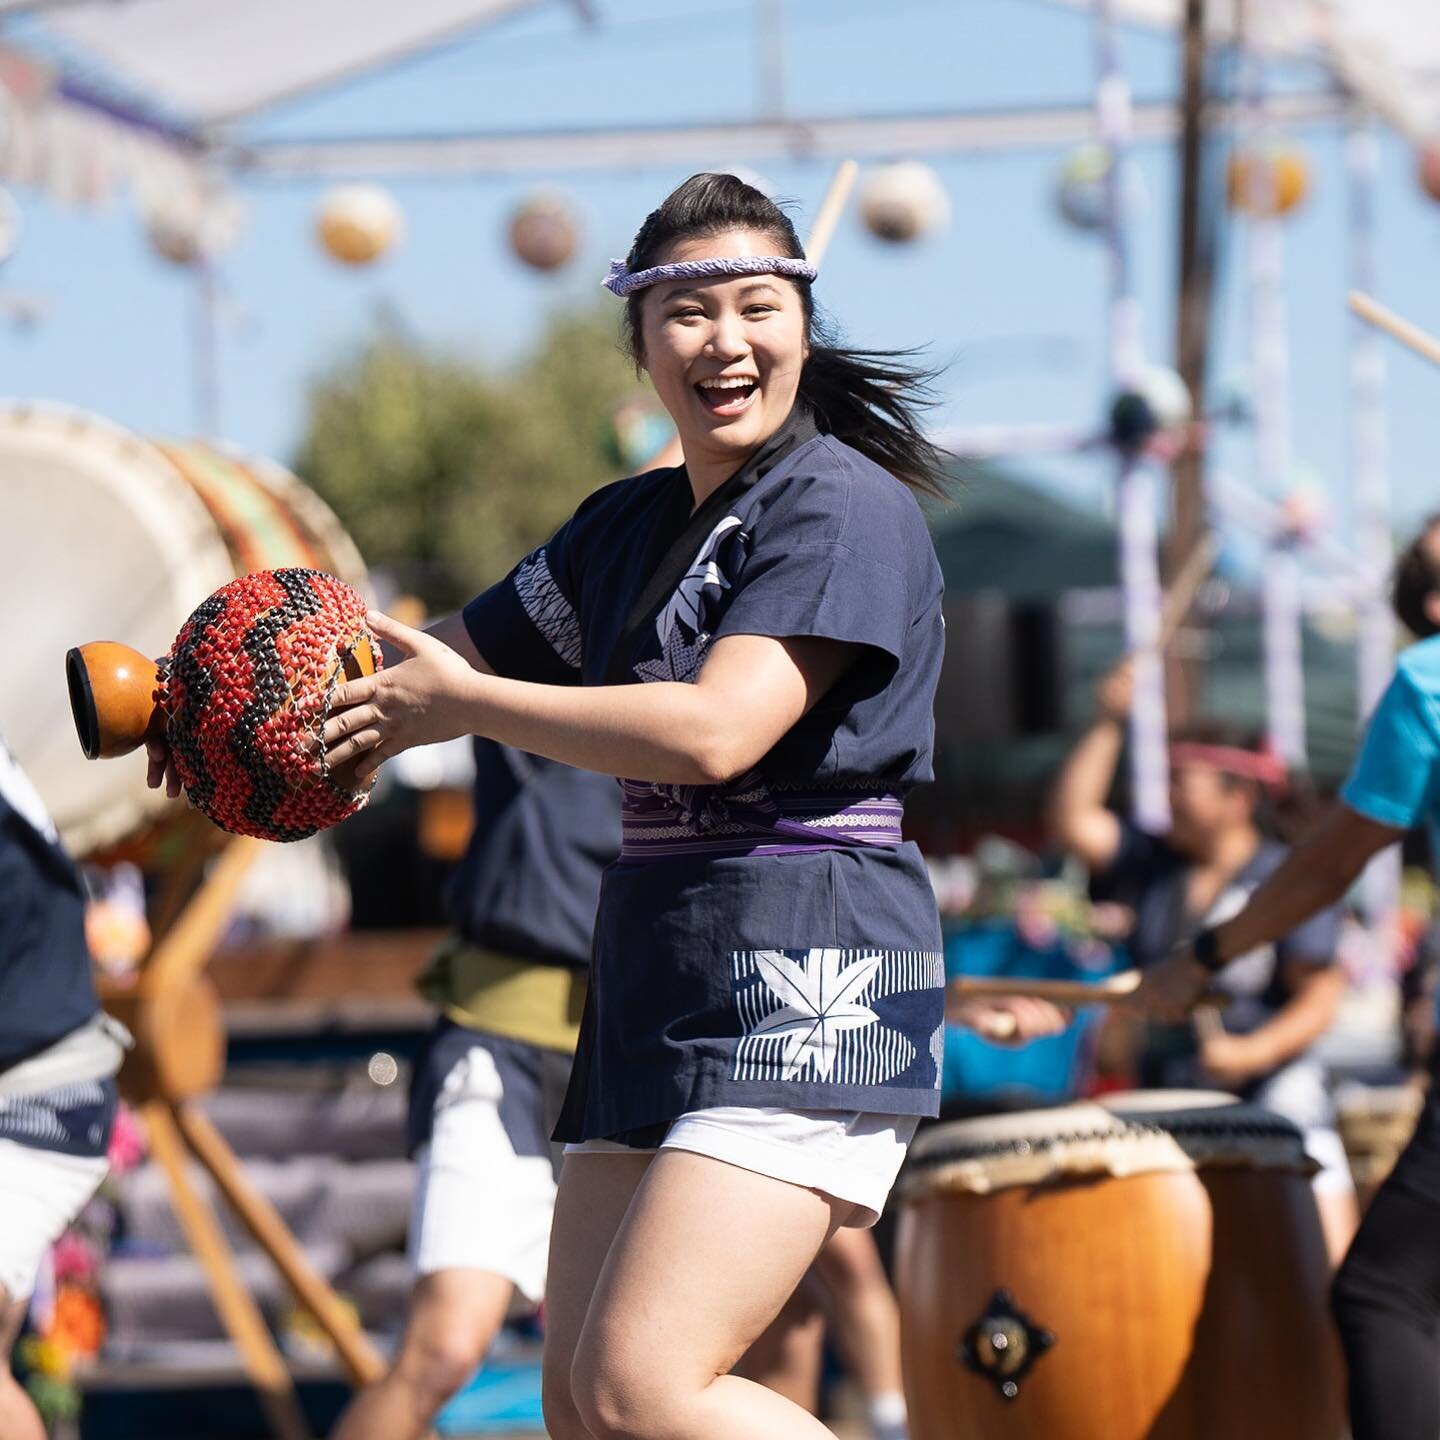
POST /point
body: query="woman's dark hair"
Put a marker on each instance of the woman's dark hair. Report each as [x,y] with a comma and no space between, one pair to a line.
[1284,812]
[1417,577]
[868,398]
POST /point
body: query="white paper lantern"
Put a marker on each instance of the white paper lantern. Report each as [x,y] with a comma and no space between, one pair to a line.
[1080,190]
[357,224]
[187,225]
[903,202]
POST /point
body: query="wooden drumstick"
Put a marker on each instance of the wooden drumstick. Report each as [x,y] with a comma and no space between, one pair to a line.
[1371,310]
[1111,989]
[1183,589]
[831,208]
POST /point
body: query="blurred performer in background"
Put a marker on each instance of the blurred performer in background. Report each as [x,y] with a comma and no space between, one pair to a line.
[1282,996]
[1387,1295]
[848,1290]
[58,1056]
[487,1085]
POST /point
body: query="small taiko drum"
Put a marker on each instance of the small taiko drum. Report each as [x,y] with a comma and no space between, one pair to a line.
[1152,1267]
[1376,1123]
[105,533]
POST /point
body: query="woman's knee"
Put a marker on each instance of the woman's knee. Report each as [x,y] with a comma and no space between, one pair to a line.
[625,1398]
[438,1364]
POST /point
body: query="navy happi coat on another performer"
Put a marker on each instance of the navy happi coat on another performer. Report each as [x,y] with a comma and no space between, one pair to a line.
[770,942]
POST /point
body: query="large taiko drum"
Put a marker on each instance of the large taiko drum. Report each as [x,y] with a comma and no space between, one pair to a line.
[105,535]
[1150,1267]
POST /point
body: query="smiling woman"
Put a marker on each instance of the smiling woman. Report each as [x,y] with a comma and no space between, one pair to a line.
[751,643]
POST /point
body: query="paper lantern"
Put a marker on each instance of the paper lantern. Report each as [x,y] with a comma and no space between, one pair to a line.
[1158,402]
[186,226]
[357,224]
[1080,191]
[1427,168]
[903,201]
[1277,189]
[544,232]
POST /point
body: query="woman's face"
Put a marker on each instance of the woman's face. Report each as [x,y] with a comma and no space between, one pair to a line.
[1203,804]
[725,354]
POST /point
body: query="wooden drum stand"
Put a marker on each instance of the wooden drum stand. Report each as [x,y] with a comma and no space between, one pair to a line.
[174,1013]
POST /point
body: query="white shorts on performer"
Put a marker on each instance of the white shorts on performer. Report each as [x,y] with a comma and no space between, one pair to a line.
[478,1203]
[1325,1147]
[41,1192]
[845,1154]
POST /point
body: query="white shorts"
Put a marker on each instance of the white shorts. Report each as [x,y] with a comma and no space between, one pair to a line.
[41,1192]
[1325,1147]
[846,1154]
[485,1189]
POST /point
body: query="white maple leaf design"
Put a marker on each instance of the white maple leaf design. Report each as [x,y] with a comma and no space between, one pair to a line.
[684,604]
[818,1006]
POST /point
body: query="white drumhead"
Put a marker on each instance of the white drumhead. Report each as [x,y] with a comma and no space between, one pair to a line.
[100,539]
[1148,1102]
[322,525]
[1133,1133]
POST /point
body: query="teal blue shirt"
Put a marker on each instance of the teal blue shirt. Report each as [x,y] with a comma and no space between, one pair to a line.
[1396,776]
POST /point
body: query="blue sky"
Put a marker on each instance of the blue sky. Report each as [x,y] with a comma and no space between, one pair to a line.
[1007,294]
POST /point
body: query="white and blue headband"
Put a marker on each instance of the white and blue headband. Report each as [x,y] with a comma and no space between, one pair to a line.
[622,282]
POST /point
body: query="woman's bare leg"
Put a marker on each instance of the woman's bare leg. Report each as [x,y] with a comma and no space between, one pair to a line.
[703,1262]
[790,1355]
[594,1193]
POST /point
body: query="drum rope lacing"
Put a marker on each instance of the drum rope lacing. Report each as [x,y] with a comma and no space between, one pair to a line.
[1254,1127]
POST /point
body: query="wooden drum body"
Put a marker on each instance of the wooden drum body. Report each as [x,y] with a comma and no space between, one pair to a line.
[104,535]
[1151,1267]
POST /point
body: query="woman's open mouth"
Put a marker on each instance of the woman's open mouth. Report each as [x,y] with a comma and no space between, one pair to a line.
[727,396]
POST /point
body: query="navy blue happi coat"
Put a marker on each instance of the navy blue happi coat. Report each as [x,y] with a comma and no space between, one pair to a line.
[773,941]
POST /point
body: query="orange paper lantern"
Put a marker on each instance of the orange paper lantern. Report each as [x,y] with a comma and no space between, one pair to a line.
[1280,184]
[357,224]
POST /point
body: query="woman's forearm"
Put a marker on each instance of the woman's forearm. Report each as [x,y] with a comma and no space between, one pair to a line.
[664,731]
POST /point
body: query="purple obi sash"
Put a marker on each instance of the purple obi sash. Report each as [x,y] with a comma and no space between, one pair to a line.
[751,817]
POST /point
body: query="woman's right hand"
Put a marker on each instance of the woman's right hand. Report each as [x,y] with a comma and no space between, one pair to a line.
[162,768]
[1115,693]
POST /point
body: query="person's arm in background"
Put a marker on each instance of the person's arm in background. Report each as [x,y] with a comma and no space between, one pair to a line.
[1315,994]
[1077,817]
[1392,785]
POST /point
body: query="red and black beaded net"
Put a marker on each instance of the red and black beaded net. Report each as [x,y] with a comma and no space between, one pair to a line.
[247,688]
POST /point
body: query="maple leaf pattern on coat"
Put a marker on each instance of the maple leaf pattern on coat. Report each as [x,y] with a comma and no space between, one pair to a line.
[809,1015]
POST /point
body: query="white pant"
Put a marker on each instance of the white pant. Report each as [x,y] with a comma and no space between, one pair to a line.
[845,1154]
[478,1204]
[41,1192]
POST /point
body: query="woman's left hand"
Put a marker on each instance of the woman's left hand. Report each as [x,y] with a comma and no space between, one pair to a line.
[418,702]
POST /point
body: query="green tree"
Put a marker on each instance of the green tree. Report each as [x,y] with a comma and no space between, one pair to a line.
[444,472]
